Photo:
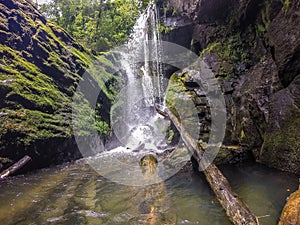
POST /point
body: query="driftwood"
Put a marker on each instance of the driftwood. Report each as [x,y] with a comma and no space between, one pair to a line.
[291,212]
[15,167]
[235,208]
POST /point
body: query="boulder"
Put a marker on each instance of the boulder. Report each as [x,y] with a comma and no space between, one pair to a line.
[291,212]
[281,147]
[284,40]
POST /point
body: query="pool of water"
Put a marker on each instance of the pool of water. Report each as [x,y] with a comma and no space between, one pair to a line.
[75,194]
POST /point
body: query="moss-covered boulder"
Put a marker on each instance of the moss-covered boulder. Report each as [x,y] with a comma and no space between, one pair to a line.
[281,148]
[40,67]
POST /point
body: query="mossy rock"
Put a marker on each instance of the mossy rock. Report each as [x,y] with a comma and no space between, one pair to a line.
[40,70]
[281,148]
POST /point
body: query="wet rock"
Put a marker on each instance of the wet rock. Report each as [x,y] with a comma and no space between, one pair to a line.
[227,87]
[200,92]
[200,101]
[204,11]
[284,40]
[180,35]
[261,92]
[249,10]
[204,34]
[291,212]
[231,155]
[281,148]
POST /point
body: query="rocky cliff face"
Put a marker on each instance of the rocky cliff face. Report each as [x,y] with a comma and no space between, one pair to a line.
[40,67]
[253,48]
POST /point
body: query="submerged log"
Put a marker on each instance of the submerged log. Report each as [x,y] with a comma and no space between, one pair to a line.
[15,167]
[235,208]
[291,212]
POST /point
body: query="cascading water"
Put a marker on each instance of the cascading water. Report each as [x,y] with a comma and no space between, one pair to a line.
[141,63]
[145,46]
[140,130]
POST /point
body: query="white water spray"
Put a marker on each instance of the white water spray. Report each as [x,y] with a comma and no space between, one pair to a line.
[144,84]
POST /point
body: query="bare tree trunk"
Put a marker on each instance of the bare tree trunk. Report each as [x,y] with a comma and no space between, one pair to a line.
[18,165]
[235,208]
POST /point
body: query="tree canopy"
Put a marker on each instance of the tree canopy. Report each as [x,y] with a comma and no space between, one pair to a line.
[98,24]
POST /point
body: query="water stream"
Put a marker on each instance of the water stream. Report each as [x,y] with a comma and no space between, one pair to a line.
[75,194]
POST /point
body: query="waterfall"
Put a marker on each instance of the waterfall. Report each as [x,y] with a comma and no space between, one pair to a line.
[145,46]
[141,62]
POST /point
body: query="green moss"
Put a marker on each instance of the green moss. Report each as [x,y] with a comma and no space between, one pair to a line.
[231,51]
[85,120]
[174,12]
[83,57]
[286,5]
[33,124]
[104,61]
[211,47]
[281,148]
[30,85]
[263,24]
[102,127]
[234,50]
[224,156]
[5,160]
[39,74]
[170,136]
[175,87]
[285,138]
[3,21]
[56,61]
[164,29]
[28,81]
[262,58]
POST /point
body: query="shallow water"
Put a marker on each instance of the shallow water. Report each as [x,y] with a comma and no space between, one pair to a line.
[75,194]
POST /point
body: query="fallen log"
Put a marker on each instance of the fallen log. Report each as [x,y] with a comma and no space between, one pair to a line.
[235,208]
[160,110]
[15,167]
[291,212]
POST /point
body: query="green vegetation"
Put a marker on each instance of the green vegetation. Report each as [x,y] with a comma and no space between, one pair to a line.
[38,77]
[171,134]
[286,5]
[283,145]
[5,160]
[210,48]
[98,24]
[164,29]
[231,50]
[175,87]
[30,125]
[102,127]
[29,83]
[262,58]
[264,23]
[86,120]
[107,82]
